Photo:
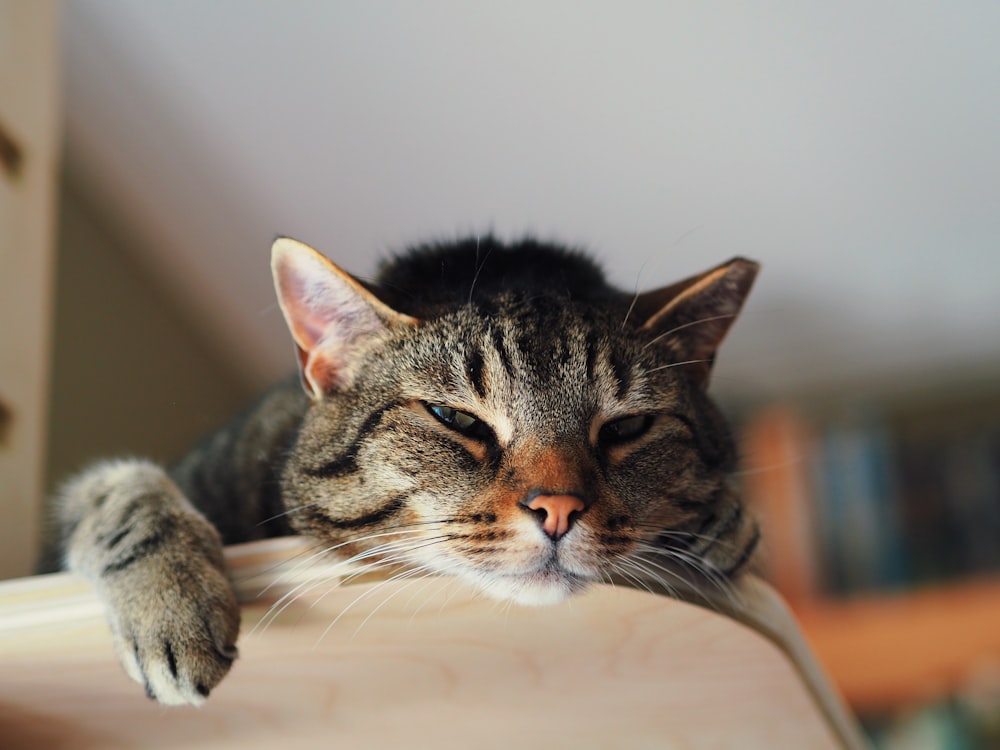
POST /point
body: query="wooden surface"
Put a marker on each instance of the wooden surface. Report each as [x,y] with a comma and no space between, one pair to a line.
[427,664]
[894,651]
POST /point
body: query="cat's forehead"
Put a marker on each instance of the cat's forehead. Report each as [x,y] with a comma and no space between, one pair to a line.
[534,360]
[543,336]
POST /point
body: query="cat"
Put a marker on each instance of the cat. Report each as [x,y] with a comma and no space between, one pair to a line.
[494,411]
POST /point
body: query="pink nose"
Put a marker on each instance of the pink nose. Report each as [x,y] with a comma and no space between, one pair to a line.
[557,511]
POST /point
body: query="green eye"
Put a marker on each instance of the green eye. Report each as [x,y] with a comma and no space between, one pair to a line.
[625,429]
[459,421]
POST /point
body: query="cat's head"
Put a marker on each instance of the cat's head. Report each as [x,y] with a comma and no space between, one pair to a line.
[506,416]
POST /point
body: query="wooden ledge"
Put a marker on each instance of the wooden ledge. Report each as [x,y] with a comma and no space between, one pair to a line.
[410,664]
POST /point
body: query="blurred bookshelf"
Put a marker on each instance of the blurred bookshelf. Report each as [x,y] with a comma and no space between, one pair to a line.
[881,512]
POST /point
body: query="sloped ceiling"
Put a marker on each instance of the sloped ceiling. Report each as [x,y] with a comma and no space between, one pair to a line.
[851,147]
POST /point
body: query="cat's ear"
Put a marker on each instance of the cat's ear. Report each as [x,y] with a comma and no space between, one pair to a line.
[694,315]
[331,315]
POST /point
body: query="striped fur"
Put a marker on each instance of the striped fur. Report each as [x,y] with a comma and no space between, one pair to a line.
[449,409]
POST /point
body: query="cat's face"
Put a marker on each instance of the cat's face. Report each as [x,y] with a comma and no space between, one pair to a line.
[533,446]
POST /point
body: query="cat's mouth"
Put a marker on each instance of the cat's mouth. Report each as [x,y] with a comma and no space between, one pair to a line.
[545,574]
[548,584]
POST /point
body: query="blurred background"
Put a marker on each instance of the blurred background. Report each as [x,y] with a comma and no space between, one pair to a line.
[152,151]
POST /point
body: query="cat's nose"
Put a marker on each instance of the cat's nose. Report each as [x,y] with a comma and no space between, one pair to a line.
[556,512]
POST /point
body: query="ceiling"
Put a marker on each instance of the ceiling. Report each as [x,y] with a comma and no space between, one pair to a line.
[852,147]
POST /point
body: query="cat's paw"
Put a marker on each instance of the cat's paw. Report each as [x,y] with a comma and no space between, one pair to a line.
[177,636]
[158,567]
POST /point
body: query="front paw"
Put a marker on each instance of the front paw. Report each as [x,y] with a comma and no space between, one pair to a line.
[175,633]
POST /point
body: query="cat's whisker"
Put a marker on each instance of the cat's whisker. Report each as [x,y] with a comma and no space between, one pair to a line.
[479,268]
[648,566]
[622,565]
[291,596]
[338,583]
[432,575]
[323,552]
[681,327]
[690,537]
[402,575]
[330,573]
[635,295]
[449,572]
[630,566]
[451,593]
[385,555]
[718,556]
[420,534]
[603,576]
[392,554]
[765,468]
[656,573]
[641,581]
[506,611]
[400,560]
[686,559]
[392,546]
[413,574]
[326,570]
[276,569]
[631,307]
[678,364]
[288,511]
[452,581]
[699,566]
[306,506]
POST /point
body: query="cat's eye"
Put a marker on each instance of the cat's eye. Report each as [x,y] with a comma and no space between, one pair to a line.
[625,429]
[459,421]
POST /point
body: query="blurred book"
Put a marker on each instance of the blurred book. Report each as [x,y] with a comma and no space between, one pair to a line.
[856,491]
[859,500]
[777,450]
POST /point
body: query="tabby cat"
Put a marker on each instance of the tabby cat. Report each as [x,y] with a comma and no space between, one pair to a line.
[493,411]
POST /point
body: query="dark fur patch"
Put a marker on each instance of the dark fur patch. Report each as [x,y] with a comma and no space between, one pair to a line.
[474,368]
[500,345]
[388,509]
[623,375]
[171,659]
[141,549]
[347,463]
[745,556]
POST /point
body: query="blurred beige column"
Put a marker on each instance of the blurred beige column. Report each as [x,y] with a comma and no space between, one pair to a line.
[29,151]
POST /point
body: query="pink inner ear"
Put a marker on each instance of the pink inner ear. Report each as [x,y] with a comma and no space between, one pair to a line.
[318,299]
[328,313]
[305,319]
[321,374]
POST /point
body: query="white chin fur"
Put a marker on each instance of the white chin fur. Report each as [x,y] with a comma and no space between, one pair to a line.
[532,590]
[540,588]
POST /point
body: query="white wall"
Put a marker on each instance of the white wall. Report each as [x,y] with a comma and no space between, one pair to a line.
[852,147]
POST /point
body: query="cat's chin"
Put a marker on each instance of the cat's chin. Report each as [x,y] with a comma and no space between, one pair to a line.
[533,589]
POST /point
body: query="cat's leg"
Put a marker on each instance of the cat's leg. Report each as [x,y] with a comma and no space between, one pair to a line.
[157,566]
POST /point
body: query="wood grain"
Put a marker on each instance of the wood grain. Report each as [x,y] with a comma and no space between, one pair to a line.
[418,664]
